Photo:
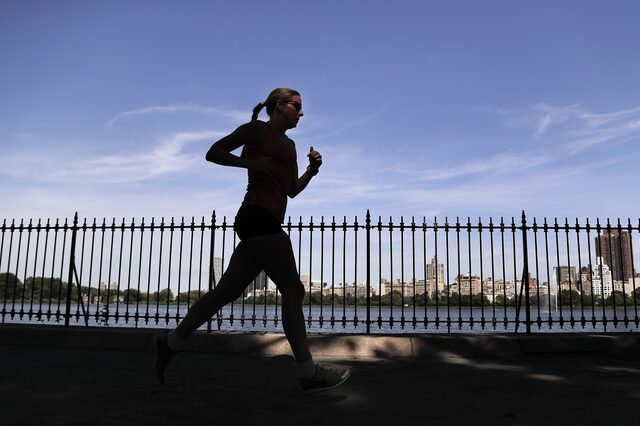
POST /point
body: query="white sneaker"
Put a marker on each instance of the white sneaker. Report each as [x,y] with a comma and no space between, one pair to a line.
[327,377]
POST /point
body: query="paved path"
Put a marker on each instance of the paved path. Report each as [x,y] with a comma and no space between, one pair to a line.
[96,377]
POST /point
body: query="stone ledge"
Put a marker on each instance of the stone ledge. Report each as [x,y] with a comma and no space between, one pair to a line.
[336,345]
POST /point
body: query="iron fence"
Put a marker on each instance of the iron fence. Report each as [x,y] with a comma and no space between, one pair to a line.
[367,275]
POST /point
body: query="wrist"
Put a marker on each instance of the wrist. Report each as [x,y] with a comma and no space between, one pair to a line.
[312,170]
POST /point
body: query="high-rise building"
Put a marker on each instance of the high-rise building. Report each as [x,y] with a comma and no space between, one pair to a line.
[565,274]
[602,282]
[435,277]
[614,247]
[259,283]
[435,269]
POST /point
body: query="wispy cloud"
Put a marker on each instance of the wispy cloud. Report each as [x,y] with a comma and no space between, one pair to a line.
[322,129]
[497,164]
[609,129]
[551,115]
[574,128]
[541,117]
[233,115]
[168,156]
[559,190]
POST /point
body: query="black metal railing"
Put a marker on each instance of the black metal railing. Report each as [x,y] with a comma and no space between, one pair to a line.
[369,275]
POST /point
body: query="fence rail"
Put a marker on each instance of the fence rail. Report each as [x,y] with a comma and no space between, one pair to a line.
[366,275]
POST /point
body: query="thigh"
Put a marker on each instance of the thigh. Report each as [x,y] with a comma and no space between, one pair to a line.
[275,255]
[242,269]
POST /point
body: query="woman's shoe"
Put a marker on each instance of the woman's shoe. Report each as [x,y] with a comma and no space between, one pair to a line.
[327,377]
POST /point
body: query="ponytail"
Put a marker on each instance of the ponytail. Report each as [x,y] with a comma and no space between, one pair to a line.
[256,111]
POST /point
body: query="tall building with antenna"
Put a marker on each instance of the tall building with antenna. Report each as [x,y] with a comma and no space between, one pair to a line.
[615,249]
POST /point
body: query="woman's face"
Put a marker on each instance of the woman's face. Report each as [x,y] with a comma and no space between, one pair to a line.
[292,111]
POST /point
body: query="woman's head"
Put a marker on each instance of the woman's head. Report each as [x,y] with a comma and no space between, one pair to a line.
[280,96]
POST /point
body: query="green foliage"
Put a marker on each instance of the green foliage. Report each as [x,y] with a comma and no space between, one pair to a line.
[466,300]
[10,286]
[270,299]
[165,295]
[132,296]
[189,297]
[618,298]
[588,299]
[569,298]
[502,301]
[392,299]
[424,299]
[317,298]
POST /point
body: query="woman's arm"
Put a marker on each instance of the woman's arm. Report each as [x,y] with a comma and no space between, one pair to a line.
[299,184]
[220,152]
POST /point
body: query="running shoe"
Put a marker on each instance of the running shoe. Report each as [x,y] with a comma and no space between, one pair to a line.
[327,377]
[164,355]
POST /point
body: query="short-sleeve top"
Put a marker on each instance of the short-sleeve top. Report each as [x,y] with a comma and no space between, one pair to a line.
[270,192]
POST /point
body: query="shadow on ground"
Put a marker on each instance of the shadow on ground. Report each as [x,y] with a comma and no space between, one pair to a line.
[74,385]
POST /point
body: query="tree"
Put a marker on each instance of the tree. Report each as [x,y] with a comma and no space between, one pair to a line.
[617,297]
[131,295]
[190,296]
[422,299]
[44,288]
[165,295]
[10,286]
[569,298]
[315,298]
[501,301]
[270,299]
[394,298]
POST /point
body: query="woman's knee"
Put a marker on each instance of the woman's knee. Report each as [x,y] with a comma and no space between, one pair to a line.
[234,293]
[225,292]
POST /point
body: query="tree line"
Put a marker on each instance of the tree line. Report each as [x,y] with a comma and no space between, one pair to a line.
[566,298]
[45,290]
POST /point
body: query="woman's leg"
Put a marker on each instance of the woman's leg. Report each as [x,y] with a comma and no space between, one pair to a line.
[243,268]
[275,255]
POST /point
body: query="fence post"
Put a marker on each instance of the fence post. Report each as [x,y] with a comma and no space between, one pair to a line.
[72,265]
[368,243]
[211,262]
[525,273]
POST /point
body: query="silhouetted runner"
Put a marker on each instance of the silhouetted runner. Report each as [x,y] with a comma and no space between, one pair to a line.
[270,158]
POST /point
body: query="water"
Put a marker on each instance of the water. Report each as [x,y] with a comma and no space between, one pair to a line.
[394,320]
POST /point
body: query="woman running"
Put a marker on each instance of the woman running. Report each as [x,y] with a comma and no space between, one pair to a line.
[270,158]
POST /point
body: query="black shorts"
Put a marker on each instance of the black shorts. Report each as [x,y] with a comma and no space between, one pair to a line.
[252,220]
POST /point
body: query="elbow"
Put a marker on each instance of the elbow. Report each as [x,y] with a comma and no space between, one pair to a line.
[293,192]
[212,156]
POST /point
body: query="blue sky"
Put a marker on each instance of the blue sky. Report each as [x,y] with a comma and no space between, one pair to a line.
[420,108]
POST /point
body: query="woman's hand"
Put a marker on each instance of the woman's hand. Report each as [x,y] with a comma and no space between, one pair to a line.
[315,159]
